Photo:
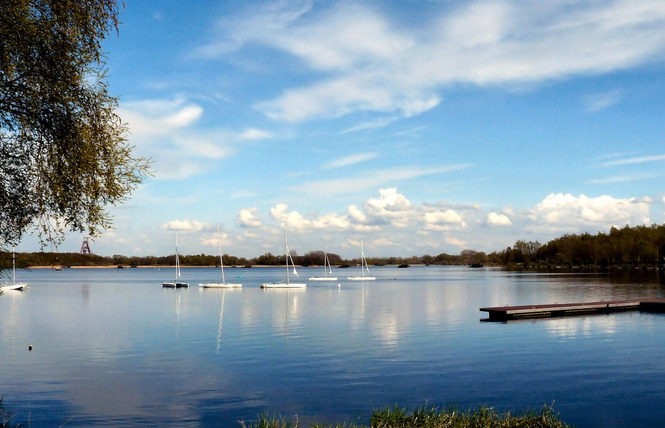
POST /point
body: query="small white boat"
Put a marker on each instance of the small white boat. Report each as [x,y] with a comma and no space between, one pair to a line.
[14,286]
[176,283]
[222,284]
[287,282]
[327,268]
[364,275]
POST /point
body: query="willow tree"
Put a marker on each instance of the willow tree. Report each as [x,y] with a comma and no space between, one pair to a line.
[64,156]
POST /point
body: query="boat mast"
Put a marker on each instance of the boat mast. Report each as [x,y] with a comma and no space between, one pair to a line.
[326,261]
[286,256]
[177,262]
[363,261]
[221,262]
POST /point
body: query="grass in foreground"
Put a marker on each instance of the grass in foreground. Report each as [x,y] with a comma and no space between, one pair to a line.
[484,417]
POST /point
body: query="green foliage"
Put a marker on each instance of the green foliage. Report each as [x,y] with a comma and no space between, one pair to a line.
[63,152]
[639,246]
[397,417]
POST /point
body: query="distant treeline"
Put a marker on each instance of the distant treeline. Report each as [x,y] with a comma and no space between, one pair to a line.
[640,246]
[312,258]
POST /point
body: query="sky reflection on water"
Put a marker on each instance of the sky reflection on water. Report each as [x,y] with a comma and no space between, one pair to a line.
[112,347]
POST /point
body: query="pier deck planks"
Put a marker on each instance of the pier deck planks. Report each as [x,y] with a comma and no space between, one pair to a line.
[504,313]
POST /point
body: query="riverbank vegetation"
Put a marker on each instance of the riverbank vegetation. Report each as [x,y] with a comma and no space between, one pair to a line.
[397,417]
[629,247]
[432,418]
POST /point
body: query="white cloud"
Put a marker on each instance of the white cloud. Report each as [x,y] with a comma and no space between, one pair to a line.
[497,219]
[372,179]
[185,226]
[166,130]
[624,178]
[295,221]
[567,213]
[150,118]
[350,160]
[391,206]
[212,240]
[601,101]
[441,221]
[635,160]
[291,220]
[455,241]
[255,135]
[366,61]
[248,218]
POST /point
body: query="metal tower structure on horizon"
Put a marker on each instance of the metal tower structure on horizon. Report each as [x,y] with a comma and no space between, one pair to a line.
[85,246]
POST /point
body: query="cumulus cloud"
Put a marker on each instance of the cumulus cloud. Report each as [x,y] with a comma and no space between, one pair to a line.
[247,218]
[293,220]
[441,221]
[214,240]
[391,206]
[368,62]
[185,226]
[497,219]
[567,213]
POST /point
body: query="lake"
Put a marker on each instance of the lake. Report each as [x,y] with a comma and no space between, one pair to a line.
[111,347]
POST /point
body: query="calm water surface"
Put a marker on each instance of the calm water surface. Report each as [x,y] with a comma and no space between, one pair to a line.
[111,347]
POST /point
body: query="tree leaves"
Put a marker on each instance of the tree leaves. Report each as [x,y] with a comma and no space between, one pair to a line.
[63,149]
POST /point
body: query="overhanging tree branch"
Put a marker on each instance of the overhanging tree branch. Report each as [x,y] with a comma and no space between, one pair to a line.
[63,151]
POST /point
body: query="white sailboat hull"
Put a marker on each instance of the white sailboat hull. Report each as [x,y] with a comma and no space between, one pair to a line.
[175,283]
[364,268]
[220,285]
[283,285]
[323,278]
[14,287]
[287,282]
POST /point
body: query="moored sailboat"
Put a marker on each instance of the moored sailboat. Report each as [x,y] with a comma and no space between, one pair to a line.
[176,283]
[222,284]
[327,268]
[364,273]
[289,263]
[14,286]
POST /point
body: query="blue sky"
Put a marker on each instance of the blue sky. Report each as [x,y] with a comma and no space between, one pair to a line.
[417,126]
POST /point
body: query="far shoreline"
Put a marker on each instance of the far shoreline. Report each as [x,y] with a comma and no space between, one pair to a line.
[151,267]
[191,266]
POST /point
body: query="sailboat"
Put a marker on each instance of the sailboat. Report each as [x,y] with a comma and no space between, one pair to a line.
[222,284]
[364,275]
[16,286]
[287,282]
[327,268]
[176,283]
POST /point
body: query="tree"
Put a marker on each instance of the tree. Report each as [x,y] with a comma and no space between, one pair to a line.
[64,157]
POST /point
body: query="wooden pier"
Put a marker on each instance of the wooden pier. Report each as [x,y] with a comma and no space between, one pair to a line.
[505,313]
